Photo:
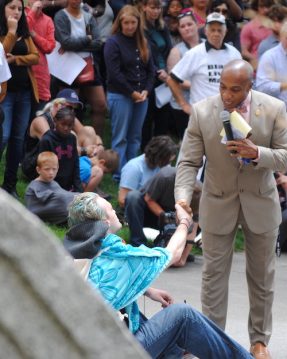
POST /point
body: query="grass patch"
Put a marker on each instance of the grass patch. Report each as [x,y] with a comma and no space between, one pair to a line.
[58,231]
[239,241]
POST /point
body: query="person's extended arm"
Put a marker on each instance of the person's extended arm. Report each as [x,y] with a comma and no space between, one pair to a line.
[245,41]
[234,9]
[153,206]
[172,60]
[176,90]
[190,160]
[122,196]
[39,127]
[53,3]
[45,43]
[177,242]
[190,237]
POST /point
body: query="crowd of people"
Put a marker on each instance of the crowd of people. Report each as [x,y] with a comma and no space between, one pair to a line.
[162,72]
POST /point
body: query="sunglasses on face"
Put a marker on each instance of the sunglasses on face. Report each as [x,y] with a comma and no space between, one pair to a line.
[221,11]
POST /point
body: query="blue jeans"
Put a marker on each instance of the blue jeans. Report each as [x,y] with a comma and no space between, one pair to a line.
[138,216]
[180,327]
[1,122]
[127,118]
[16,107]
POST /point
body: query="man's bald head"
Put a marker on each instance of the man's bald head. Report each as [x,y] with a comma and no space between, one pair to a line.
[235,83]
[239,68]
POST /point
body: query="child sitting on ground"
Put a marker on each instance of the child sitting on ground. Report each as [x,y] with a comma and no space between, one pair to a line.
[93,169]
[45,197]
[63,143]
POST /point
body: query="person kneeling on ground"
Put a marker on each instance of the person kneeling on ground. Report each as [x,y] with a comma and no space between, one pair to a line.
[122,273]
[159,152]
[147,208]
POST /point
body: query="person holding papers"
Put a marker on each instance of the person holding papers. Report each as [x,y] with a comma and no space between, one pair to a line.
[237,192]
[17,92]
[76,30]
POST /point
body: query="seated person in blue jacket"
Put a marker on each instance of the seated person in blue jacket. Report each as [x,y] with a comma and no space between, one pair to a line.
[122,273]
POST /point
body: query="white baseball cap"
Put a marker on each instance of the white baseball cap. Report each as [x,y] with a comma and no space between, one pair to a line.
[215,17]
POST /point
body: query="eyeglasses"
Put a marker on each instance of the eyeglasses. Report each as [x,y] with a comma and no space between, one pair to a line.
[221,11]
[188,13]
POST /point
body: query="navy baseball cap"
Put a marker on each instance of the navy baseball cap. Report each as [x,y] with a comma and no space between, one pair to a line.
[70,96]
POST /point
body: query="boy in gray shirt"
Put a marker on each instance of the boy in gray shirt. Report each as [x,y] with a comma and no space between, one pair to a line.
[44,196]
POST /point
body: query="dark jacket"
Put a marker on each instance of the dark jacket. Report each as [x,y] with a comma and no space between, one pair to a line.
[126,72]
[157,53]
[65,148]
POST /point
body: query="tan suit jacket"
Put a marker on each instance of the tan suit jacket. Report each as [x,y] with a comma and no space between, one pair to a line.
[227,185]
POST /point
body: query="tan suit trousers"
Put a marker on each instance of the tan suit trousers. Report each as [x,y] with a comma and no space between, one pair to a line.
[260,271]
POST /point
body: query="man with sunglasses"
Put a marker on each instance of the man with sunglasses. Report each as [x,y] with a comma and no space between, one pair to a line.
[232,36]
[202,65]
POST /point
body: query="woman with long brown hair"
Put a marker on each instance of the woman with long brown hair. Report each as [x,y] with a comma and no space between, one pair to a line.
[157,119]
[130,74]
[18,91]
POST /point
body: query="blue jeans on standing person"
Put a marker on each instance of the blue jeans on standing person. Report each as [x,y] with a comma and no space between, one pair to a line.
[127,118]
[16,107]
[1,122]
[178,327]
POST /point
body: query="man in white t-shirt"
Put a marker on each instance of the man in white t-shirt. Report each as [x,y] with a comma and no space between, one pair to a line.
[202,65]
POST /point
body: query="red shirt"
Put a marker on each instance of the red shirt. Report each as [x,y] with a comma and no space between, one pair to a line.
[252,34]
[44,40]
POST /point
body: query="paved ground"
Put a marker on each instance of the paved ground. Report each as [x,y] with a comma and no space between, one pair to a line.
[184,283]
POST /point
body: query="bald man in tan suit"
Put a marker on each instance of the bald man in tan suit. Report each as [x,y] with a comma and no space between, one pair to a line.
[235,193]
